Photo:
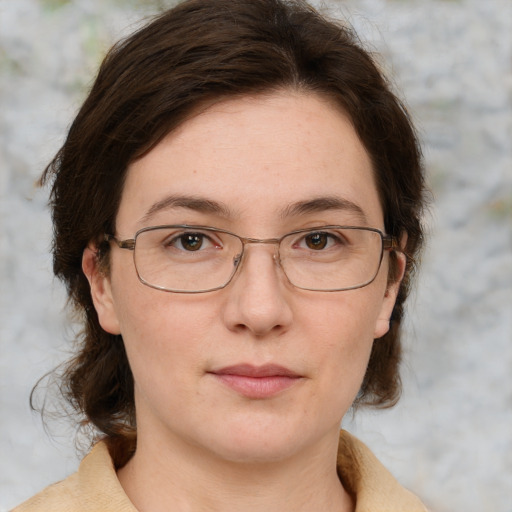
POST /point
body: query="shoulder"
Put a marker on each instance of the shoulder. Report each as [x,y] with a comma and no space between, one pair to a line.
[373,485]
[58,497]
[92,488]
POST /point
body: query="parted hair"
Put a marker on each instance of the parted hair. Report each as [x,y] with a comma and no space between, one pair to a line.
[194,54]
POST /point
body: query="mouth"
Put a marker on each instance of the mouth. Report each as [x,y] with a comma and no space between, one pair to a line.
[257,382]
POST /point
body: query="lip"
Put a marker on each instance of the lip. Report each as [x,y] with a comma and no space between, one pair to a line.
[257,382]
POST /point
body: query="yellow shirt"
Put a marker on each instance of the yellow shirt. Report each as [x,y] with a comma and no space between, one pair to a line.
[96,488]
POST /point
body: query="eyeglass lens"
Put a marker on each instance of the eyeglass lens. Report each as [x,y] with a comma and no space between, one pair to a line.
[185,259]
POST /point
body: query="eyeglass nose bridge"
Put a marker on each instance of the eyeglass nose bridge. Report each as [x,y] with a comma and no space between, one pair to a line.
[238,260]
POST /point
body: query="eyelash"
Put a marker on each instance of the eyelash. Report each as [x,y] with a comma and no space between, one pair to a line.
[178,240]
[181,236]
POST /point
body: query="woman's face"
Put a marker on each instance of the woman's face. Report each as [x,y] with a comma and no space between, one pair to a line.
[259,370]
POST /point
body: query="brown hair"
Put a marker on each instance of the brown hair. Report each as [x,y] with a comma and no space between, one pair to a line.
[193,54]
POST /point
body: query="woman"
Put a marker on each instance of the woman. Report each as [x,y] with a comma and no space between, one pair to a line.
[237,212]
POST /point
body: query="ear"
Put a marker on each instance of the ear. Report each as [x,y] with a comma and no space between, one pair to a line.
[101,291]
[388,302]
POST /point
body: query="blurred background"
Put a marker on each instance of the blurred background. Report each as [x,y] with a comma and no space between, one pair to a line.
[450,437]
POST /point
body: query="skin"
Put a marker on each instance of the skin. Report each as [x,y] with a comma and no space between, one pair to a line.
[201,444]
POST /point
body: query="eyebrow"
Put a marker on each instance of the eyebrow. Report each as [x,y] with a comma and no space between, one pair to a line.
[299,208]
[322,204]
[197,204]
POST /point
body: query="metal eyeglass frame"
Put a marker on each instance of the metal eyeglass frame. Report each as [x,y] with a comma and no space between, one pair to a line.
[388,243]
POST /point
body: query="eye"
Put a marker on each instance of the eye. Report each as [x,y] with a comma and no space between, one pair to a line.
[320,240]
[191,242]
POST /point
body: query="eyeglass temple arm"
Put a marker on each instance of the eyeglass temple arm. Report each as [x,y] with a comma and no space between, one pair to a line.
[122,244]
[390,243]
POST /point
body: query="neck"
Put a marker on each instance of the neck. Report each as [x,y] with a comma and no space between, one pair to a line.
[181,477]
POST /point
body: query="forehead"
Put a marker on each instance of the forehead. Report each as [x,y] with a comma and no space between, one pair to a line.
[256,159]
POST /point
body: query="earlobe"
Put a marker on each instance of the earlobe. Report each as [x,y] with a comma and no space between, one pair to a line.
[388,303]
[101,291]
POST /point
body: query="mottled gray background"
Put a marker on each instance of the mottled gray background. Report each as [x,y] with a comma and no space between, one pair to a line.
[450,438]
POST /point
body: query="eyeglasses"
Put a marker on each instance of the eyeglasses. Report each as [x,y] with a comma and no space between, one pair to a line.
[197,259]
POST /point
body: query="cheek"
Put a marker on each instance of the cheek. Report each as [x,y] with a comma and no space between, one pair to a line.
[160,333]
[343,333]
[346,345]
[349,317]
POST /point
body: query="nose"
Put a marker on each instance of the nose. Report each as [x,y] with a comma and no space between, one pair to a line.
[258,297]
